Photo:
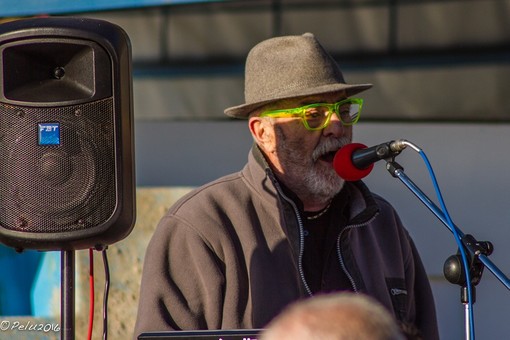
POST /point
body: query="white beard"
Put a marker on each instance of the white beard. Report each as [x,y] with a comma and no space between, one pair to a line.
[306,175]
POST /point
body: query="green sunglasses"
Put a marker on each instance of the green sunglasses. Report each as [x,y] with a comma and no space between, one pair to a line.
[317,116]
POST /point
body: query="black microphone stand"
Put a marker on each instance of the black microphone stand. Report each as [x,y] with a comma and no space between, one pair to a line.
[67,287]
[478,251]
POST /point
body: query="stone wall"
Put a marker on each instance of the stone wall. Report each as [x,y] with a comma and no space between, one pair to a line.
[125,259]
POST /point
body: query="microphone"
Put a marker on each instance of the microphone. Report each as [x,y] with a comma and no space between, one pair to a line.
[355,161]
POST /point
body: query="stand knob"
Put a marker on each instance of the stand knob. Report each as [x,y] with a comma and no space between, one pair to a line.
[453,270]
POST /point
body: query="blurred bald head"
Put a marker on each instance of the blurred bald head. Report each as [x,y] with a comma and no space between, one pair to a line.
[343,316]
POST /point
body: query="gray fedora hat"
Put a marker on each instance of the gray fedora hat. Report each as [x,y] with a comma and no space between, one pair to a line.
[289,67]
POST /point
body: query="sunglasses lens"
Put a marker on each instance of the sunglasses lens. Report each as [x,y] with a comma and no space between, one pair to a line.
[316,116]
[349,113]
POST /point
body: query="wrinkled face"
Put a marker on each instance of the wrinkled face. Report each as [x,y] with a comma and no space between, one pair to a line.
[303,159]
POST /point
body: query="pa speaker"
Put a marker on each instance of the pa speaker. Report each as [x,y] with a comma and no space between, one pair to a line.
[66,134]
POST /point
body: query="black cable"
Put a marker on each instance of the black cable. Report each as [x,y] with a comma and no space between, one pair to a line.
[106,292]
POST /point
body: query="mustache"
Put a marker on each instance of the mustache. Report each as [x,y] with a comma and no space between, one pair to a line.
[329,145]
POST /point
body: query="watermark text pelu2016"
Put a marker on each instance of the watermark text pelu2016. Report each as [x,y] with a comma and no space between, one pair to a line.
[28,326]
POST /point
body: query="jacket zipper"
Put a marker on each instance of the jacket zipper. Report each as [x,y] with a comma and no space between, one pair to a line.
[339,251]
[302,239]
[301,235]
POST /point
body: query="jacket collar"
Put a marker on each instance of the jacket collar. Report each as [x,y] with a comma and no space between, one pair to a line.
[363,206]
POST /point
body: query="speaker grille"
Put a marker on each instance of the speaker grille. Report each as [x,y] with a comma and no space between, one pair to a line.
[60,187]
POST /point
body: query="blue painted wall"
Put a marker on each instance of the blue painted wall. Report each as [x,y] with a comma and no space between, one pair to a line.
[19,274]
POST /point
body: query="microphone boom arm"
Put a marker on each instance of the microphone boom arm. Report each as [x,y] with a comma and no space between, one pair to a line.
[472,245]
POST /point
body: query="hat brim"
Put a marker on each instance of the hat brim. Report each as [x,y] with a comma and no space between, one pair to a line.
[244,110]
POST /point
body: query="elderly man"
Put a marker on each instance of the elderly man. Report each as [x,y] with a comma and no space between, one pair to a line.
[233,253]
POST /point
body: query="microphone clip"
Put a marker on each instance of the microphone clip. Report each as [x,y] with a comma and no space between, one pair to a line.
[388,151]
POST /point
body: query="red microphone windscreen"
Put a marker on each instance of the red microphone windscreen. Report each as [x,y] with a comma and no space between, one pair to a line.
[345,168]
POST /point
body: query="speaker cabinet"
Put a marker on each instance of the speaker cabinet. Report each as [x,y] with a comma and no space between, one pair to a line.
[67,177]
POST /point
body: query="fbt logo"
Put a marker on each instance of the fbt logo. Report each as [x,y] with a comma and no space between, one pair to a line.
[49,134]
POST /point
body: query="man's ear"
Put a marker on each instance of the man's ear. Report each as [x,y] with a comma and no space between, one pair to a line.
[263,133]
